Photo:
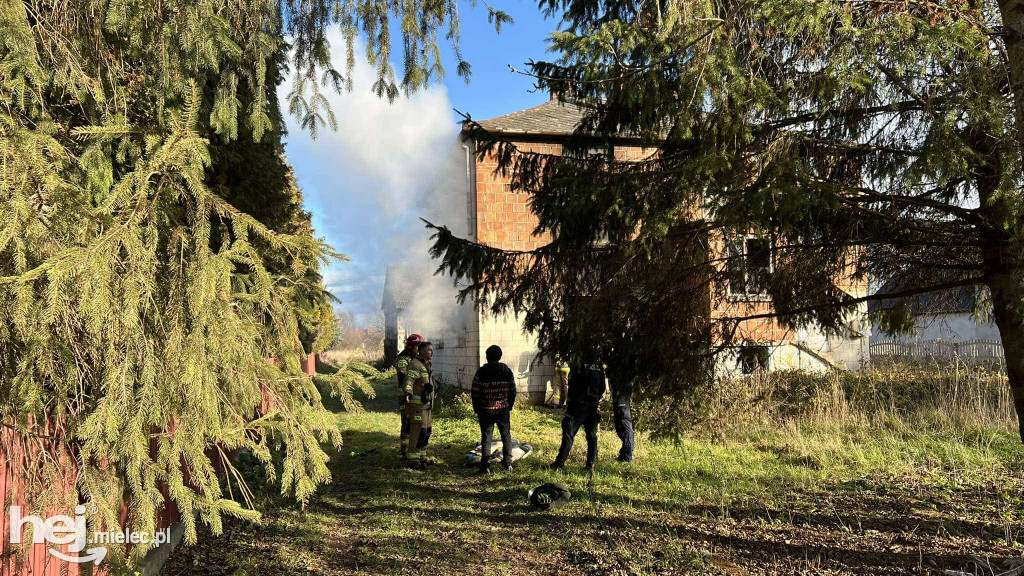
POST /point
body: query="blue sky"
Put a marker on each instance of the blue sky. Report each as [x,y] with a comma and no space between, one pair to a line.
[366,183]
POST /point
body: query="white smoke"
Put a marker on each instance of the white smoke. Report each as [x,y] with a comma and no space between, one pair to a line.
[369,183]
[443,199]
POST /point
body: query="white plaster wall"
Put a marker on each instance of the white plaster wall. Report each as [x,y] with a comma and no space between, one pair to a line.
[946,327]
[811,350]
[519,351]
[791,357]
[852,353]
[781,356]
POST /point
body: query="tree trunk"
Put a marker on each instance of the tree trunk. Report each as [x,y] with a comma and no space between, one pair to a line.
[1012,13]
[1003,262]
[1006,309]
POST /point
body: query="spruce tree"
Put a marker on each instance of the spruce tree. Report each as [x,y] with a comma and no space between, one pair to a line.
[873,140]
[159,280]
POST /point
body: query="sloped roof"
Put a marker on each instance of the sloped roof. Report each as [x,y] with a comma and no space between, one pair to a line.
[398,289]
[552,118]
[952,301]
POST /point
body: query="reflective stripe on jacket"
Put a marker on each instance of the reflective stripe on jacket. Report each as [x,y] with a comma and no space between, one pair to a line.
[561,365]
[402,369]
[417,377]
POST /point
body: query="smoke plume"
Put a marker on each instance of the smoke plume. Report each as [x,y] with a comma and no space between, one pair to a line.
[368,184]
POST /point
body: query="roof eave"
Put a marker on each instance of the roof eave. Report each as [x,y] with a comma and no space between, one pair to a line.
[543,134]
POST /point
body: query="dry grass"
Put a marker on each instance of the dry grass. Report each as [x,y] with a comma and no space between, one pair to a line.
[365,354]
[950,397]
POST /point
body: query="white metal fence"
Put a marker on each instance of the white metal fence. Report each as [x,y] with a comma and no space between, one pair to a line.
[969,351]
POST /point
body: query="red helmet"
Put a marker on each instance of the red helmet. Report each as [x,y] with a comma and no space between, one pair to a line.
[413,339]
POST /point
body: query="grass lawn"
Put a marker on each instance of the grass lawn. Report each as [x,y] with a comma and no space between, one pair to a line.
[760,498]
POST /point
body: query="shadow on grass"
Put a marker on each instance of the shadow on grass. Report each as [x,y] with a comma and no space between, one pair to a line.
[377,516]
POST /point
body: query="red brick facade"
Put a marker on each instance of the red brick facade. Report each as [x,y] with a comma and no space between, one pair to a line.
[504,220]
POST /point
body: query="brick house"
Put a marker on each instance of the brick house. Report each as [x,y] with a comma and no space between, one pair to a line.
[499,217]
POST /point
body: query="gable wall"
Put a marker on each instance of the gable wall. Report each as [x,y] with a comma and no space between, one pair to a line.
[504,220]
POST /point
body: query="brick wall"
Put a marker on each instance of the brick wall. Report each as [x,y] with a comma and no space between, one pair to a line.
[806,348]
[457,349]
[504,220]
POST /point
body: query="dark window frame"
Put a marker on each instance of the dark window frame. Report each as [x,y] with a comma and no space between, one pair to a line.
[737,266]
[752,357]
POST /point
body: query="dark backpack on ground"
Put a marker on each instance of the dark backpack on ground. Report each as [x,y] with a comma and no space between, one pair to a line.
[547,495]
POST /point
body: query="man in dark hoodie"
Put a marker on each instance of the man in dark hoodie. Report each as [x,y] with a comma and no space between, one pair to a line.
[586,386]
[494,394]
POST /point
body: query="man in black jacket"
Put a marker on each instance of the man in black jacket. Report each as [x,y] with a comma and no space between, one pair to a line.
[621,371]
[586,386]
[622,414]
[494,394]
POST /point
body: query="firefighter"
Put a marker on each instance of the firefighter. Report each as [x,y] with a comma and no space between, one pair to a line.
[401,366]
[561,379]
[419,389]
[586,387]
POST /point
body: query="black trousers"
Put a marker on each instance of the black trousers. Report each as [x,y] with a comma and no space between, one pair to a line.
[488,420]
[623,418]
[588,418]
[424,438]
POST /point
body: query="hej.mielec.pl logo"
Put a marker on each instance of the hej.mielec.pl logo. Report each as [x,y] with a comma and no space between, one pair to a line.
[66,530]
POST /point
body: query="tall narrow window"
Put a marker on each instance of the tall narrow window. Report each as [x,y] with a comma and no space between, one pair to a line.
[736,267]
[749,266]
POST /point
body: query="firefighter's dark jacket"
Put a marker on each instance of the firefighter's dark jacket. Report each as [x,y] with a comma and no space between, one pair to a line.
[586,386]
[494,388]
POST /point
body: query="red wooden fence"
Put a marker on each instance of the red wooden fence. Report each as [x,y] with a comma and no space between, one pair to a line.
[308,364]
[27,559]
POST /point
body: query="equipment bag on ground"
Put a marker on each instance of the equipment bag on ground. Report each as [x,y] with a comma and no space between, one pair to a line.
[519,451]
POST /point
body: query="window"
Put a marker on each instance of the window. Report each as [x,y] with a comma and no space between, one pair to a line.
[750,264]
[753,358]
[581,154]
